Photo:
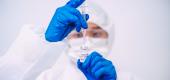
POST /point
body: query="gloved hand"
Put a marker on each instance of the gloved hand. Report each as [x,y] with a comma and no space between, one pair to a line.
[65,19]
[96,67]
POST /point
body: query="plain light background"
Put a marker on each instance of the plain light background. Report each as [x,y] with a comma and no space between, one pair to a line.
[142,31]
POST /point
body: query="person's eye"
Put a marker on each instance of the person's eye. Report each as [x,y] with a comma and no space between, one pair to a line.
[79,35]
[96,34]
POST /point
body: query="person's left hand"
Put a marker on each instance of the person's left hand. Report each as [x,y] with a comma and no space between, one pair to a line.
[96,67]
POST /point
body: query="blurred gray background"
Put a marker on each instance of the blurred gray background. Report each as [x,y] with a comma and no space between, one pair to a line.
[142,31]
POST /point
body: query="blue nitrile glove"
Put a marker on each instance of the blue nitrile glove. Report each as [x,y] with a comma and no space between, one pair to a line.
[96,67]
[66,19]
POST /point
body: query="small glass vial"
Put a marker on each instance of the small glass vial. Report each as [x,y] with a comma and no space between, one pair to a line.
[84,53]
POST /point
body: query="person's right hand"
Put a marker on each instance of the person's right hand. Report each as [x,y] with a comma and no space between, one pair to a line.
[65,19]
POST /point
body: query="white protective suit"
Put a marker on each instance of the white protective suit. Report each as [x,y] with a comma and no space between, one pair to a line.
[31,57]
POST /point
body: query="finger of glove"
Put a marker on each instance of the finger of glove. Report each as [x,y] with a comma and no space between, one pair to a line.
[74,20]
[68,18]
[74,3]
[87,62]
[54,31]
[68,30]
[95,60]
[107,62]
[70,21]
[87,16]
[97,66]
[100,72]
[78,14]
[78,27]
[101,63]
[105,69]
[79,64]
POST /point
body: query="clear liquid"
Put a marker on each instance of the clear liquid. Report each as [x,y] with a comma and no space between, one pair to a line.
[84,47]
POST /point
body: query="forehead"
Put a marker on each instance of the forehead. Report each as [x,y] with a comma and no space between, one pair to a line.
[93,26]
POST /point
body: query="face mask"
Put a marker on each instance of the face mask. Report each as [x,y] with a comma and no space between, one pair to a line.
[94,44]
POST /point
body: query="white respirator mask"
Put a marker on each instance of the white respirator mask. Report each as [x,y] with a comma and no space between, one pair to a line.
[94,44]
